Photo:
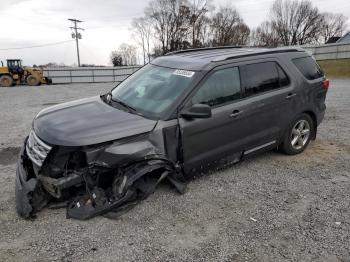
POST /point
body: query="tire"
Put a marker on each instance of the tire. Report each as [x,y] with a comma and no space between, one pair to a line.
[6,81]
[298,135]
[32,80]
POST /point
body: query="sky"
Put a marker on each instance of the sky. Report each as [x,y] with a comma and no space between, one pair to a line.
[107,24]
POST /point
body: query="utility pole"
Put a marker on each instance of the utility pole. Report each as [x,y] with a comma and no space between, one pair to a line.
[76,35]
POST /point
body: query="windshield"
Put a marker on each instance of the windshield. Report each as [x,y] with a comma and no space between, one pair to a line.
[152,89]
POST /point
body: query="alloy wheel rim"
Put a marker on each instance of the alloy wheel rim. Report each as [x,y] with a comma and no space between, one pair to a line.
[300,134]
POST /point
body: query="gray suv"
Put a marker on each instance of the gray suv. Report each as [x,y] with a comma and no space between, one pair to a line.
[179,116]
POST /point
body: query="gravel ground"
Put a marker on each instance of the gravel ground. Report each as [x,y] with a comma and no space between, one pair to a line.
[269,208]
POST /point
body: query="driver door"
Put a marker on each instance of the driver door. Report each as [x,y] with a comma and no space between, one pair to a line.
[208,142]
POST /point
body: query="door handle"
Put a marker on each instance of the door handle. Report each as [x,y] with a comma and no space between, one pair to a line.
[235,113]
[291,95]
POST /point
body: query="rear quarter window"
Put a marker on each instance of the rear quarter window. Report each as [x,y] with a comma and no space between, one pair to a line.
[308,67]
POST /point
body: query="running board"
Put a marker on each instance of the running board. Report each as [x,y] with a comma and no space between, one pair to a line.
[259,147]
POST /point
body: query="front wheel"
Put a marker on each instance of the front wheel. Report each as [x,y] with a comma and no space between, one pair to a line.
[32,81]
[298,136]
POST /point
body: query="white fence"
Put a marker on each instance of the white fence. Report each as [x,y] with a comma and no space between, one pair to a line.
[64,75]
[118,74]
[329,51]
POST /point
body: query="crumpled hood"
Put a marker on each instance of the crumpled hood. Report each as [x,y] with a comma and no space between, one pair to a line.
[86,122]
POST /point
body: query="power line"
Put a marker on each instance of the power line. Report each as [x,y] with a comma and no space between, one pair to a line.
[35,46]
[76,35]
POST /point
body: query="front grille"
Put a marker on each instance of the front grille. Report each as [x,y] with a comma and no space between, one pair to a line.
[36,149]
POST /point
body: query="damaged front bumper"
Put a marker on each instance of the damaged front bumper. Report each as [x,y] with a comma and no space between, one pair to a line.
[24,188]
[81,190]
[30,197]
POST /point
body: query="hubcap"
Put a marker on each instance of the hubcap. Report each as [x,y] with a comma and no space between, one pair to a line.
[300,134]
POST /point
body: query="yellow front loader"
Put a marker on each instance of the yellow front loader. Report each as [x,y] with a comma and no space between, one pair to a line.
[14,74]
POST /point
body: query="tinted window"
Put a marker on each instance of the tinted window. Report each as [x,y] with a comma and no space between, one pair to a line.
[221,87]
[308,67]
[262,77]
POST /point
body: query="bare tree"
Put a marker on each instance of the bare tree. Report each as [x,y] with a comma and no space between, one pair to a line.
[203,32]
[170,19]
[125,55]
[159,18]
[180,28]
[170,25]
[143,31]
[242,35]
[199,9]
[295,22]
[265,35]
[333,25]
[180,24]
[228,28]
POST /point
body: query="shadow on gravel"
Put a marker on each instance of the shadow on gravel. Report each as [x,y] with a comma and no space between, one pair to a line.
[9,155]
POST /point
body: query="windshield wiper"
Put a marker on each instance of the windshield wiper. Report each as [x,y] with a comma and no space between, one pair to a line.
[124,105]
[108,98]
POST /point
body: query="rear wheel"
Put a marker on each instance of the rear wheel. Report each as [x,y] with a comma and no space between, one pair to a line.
[6,81]
[298,136]
[32,80]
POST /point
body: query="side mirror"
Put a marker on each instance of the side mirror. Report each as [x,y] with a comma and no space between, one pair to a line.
[197,111]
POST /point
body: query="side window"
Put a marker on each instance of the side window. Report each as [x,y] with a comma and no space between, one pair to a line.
[221,87]
[308,67]
[262,77]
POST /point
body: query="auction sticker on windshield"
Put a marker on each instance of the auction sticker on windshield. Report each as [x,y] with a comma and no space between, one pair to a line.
[184,73]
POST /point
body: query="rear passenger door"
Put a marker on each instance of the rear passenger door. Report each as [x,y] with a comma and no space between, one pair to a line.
[269,98]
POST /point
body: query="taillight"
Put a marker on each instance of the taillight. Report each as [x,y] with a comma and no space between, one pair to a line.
[325,84]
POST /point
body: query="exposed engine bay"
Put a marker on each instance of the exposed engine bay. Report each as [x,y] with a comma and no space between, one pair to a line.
[91,180]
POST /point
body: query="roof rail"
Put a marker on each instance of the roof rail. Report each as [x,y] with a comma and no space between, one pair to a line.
[201,49]
[287,50]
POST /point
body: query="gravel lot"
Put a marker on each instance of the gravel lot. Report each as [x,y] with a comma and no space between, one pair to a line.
[269,208]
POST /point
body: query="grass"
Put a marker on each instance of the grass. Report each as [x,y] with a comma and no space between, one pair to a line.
[339,68]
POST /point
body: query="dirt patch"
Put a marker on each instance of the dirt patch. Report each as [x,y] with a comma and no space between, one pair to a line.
[323,150]
[318,153]
[9,155]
